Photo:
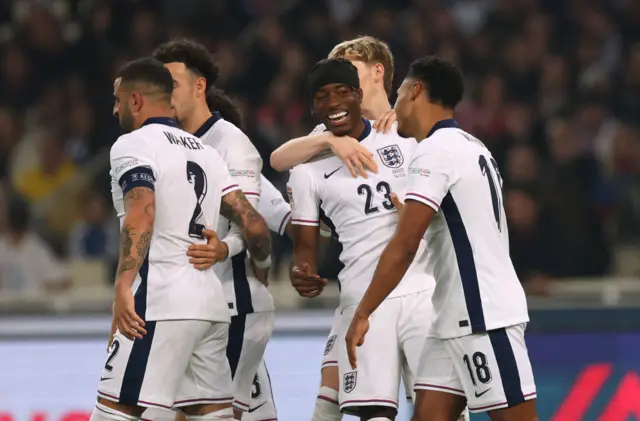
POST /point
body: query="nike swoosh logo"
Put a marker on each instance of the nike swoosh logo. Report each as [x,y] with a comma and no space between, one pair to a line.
[105,378]
[331,173]
[481,393]
[256,408]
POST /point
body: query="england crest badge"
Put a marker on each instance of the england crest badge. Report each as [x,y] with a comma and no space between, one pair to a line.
[391,156]
[330,342]
[350,381]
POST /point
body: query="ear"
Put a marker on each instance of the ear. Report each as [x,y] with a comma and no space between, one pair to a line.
[201,86]
[359,94]
[378,72]
[136,101]
[417,89]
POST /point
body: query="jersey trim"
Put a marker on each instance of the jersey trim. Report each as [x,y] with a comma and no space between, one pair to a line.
[284,222]
[424,200]
[167,121]
[466,263]
[141,176]
[230,188]
[215,116]
[242,290]
[508,366]
[306,222]
[444,124]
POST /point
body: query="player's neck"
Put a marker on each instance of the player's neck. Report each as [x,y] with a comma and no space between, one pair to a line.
[376,106]
[196,119]
[434,115]
[155,112]
[358,129]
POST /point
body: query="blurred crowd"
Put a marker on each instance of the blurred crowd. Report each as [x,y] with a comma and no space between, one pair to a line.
[553,89]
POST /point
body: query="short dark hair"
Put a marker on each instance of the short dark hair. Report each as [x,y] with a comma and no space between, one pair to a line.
[147,70]
[443,80]
[195,56]
[218,100]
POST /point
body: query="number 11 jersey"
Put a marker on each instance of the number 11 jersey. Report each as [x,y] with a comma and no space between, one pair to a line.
[359,211]
[189,180]
[477,288]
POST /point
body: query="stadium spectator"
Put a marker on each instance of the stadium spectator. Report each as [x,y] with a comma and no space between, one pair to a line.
[27,264]
[554,92]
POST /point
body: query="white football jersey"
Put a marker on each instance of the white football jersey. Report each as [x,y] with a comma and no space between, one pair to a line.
[244,292]
[358,211]
[189,180]
[273,208]
[477,288]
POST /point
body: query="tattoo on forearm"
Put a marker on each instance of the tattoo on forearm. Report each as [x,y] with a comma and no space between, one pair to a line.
[236,208]
[132,237]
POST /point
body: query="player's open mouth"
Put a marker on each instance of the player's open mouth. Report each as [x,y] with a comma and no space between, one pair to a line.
[339,117]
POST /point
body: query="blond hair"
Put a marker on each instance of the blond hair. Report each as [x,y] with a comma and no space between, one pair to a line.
[369,50]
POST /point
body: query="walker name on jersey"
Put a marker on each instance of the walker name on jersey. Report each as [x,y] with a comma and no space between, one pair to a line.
[184,141]
[242,173]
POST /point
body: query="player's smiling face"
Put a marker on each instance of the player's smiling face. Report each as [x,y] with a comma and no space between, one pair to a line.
[338,107]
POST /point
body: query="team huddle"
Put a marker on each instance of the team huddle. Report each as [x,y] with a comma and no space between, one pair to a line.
[428,293]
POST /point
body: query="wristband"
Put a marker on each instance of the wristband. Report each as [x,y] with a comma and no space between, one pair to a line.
[235,246]
[263,264]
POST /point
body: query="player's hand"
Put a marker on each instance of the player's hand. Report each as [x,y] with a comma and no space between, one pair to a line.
[384,123]
[124,314]
[308,285]
[396,202]
[203,256]
[356,157]
[355,337]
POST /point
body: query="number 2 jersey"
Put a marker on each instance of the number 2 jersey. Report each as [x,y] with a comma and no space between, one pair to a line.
[477,288]
[189,179]
[359,211]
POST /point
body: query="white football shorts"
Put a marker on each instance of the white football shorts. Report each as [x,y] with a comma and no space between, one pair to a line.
[392,346]
[263,407]
[177,363]
[248,338]
[492,369]
[330,357]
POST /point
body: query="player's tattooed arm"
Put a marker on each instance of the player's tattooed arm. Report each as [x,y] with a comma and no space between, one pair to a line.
[237,209]
[136,233]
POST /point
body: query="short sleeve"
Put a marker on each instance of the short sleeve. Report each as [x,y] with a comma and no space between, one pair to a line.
[430,174]
[229,183]
[318,129]
[303,197]
[245,165]
[275,210]
[133,164]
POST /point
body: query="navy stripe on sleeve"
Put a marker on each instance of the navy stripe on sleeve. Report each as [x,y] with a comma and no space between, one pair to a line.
[141,176]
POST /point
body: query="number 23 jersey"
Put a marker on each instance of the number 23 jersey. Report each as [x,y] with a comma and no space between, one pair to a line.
[189,180]
[477,288]
[359,211]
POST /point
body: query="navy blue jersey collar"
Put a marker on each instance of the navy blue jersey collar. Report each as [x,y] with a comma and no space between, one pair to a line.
[367,130]
[215,116]
[444,124]
[167,121]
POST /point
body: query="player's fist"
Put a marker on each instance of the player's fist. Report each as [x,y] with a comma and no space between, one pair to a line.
[124,314]
[308,285]
[384,123]
[396,202]
[355,337]
[356,157]
[203,256]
